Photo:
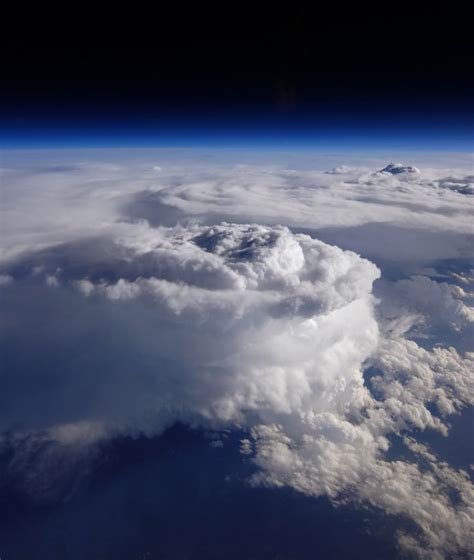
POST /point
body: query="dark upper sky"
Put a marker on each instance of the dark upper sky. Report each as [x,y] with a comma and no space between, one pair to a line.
[403,60]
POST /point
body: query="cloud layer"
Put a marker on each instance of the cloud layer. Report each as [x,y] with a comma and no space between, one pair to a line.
[128,305]
[46,203]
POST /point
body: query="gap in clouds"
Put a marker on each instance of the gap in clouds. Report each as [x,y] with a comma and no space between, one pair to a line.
[142,496]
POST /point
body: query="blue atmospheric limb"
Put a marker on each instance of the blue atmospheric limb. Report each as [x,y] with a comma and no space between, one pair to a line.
[331,130]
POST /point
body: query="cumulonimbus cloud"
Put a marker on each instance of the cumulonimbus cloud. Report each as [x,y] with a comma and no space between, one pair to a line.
[237,318]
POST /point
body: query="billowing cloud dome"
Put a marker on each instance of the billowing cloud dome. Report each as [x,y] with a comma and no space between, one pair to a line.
[396,168]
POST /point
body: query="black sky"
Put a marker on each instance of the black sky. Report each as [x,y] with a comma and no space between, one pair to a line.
[413,56]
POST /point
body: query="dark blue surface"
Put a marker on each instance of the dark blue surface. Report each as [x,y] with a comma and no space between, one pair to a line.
[176,497]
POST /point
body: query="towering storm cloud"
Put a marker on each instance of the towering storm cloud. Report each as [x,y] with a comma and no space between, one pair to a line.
[144,298]
[218,322]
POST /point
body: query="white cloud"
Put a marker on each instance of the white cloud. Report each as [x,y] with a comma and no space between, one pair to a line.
[251,318]
[398,168]
[336,458]
[52,281]
[44,204]
[5,279]
[440,302]
[413,377]
[241,324]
